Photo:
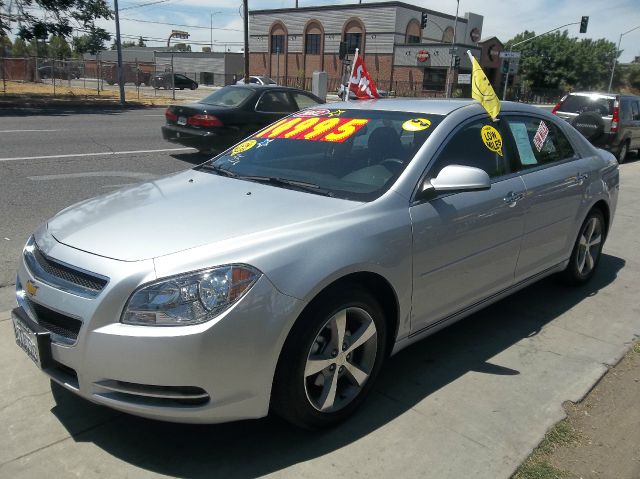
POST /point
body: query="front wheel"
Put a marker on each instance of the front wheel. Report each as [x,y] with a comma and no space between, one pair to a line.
[587,249]
[330,359]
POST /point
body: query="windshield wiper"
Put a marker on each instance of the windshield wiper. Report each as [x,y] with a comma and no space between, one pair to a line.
[302,185]
[217,169]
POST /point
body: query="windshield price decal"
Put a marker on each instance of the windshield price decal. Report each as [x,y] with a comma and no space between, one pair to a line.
[335,130]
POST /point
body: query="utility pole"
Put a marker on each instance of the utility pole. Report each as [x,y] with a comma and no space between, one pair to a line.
[449,84]
[245,11]
[615,59]
[119,47]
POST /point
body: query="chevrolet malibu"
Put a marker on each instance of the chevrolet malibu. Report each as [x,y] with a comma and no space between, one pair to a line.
[280,274]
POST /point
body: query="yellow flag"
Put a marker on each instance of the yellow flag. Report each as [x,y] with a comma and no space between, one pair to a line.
[482,90]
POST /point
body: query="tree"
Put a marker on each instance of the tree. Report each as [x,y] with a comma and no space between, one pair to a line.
[182,47]
[141,42]
[42,18]
[59,48]
[20,48]
[6,47]
[88,44]
[559,61]
[633,77]
[125,44]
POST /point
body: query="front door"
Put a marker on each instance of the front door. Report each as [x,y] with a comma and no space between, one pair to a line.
[466,245]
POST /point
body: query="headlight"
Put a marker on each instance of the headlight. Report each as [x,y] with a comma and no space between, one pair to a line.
[191,298]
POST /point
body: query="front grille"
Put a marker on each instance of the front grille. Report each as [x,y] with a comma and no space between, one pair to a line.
[68,274]
[57,323]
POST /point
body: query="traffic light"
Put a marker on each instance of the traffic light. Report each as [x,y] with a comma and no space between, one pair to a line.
[342,51]
[456,61]
[583,24]
[505,66]
[423,20]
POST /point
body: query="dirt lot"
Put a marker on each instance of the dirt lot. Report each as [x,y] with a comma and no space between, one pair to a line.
[600,438]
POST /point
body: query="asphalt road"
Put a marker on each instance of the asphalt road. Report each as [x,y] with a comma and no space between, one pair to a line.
[49,161]
[471,401]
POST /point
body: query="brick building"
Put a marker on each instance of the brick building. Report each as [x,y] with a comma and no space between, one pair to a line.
[289,44]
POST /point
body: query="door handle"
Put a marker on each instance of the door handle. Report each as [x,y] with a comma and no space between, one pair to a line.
[581,178]
[512,198]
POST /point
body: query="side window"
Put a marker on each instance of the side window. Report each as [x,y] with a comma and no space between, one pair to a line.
[275,102]
[539,142]
[636,110]
[304,101]
[625,110]
[479,144]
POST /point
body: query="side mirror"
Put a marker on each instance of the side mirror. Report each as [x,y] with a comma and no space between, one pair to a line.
[457,178]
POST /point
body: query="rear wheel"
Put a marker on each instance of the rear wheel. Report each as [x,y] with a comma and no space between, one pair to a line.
[330,359]
[623,151]
[587,249]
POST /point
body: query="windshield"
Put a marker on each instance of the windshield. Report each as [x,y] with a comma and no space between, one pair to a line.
[583,103]
[227,97]
[350,154]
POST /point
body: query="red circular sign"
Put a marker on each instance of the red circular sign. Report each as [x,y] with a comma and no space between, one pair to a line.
[422,56]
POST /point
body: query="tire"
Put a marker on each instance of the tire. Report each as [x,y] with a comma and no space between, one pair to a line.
[302,392]
[194,86]
[623,152]
[110,82]
[587,249]
[590,124]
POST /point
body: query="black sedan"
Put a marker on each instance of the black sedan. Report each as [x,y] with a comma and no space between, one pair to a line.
[179,81]
[230,114]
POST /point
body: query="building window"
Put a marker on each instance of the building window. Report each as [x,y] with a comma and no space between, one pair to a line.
[277,43]
[312,43]
[353,41]
[413,32]
[447,35]
[413,39]
[434,78]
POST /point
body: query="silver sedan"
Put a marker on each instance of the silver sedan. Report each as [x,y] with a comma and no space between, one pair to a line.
[280,274]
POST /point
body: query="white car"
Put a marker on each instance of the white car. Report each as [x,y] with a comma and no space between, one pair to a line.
[257,80]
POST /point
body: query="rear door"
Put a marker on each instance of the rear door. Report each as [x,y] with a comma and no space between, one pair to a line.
[635,123]
[466,245]
[556,178]
[273,105]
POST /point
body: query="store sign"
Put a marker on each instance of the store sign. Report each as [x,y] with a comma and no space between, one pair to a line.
[464,78]
[422,56]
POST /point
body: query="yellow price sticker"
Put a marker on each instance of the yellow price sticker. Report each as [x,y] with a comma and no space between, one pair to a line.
[492,139]
[416,124]
[244,146]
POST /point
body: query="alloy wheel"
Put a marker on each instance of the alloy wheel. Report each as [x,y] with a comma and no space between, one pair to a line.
[589,246]
[341,359]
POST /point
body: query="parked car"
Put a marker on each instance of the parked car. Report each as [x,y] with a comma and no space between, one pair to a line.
[131,75]
[227,115]
[257,80]
[49,71]
[282,273]
[607,120]
[163,80]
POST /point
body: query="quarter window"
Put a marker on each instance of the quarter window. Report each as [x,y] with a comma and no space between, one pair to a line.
[473,146]
[635,109]
[539,142]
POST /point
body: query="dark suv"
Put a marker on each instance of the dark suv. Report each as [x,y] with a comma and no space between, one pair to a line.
[607,120]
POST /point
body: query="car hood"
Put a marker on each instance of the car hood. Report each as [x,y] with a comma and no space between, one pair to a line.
[183,211]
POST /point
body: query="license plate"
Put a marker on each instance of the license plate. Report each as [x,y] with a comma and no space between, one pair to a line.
[32,339]
[182,120]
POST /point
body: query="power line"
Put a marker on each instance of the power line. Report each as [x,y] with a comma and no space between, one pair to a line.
[142,5]
[181,25]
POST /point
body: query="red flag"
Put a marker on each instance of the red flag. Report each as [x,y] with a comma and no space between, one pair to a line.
[361,82]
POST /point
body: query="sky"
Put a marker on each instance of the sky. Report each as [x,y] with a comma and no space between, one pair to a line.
[503,19]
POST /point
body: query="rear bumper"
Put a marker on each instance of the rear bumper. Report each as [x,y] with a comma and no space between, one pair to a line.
[200,139]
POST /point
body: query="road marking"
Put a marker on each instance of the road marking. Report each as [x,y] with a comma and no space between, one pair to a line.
[104,153]
[152,115]
[25,131]
[125,174]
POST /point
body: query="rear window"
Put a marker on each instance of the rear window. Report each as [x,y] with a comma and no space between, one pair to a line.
[229,97]
[350,154]
[582,103]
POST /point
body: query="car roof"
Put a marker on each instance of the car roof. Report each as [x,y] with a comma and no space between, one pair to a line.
[432,106]
[255,86]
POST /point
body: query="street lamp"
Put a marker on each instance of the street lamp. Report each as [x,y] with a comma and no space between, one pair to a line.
[613,69]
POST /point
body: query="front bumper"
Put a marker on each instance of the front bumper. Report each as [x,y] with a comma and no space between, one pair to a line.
[218,371]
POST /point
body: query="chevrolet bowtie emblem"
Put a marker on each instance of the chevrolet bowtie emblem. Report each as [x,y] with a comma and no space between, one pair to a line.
[31,288]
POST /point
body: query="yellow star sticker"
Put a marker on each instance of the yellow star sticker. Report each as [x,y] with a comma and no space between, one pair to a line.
[336,113]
